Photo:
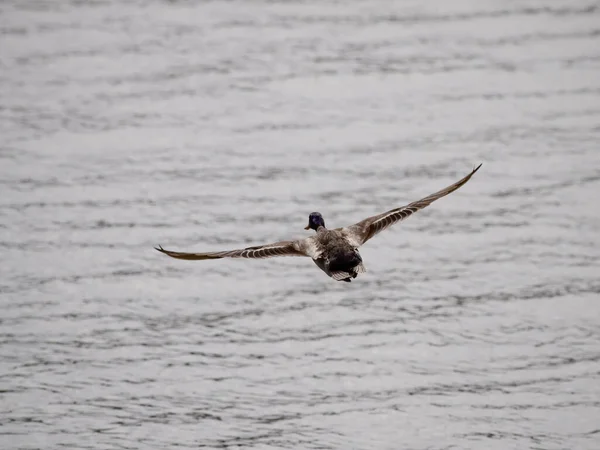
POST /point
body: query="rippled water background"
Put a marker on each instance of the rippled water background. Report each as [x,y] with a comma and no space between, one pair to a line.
[215,125]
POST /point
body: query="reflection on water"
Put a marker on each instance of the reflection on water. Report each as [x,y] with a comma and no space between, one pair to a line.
[217,125]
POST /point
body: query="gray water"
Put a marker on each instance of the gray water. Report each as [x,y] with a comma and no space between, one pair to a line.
[216,125]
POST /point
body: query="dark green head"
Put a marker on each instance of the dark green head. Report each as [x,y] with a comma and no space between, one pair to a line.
[315,220]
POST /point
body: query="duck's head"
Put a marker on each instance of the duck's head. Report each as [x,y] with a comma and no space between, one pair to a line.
[315,220]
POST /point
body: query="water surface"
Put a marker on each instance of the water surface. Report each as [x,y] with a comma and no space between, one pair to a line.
[214,125]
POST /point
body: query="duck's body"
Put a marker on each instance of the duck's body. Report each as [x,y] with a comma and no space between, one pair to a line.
[337,258]
[334,251]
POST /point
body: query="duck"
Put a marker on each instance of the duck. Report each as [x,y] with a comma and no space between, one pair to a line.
[334,251]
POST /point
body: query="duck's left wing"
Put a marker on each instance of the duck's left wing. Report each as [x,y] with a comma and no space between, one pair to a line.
[283,248]
[364,230]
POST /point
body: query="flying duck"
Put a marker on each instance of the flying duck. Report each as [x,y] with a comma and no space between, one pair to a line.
[335,251]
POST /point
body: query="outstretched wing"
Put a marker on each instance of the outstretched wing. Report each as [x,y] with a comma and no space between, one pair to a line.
[283,248]
[364,230]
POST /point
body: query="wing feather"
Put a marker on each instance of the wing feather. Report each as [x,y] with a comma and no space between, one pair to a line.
[283,248]
[364,230]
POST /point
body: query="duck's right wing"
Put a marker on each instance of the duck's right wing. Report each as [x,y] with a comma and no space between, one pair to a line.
[364,230]
[304,247]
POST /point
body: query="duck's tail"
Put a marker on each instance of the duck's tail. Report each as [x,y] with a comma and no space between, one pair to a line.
[347,276]
[341,276]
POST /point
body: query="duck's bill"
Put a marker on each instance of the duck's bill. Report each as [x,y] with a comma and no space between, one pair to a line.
[307,227]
